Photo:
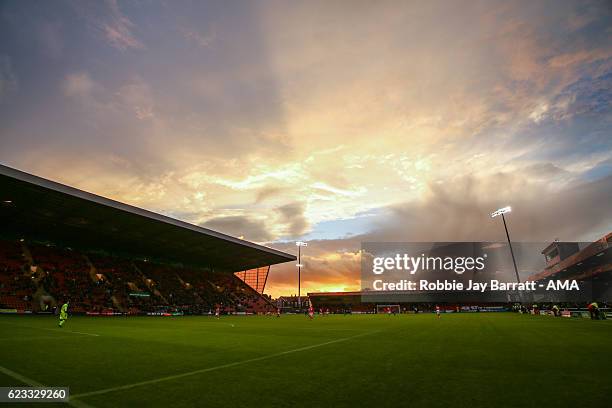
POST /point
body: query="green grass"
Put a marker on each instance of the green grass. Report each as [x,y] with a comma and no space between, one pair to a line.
[462,360]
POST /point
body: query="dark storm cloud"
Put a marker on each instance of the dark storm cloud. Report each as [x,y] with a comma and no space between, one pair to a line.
[461,211]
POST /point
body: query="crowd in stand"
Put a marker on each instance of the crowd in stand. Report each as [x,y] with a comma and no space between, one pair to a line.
[65,272]
[32,275]
[16,285]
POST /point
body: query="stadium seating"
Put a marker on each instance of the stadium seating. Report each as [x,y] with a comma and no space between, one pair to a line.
[15,282]
[101,283]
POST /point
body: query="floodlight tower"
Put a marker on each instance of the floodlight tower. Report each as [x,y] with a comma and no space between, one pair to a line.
[299,265]
[501,212]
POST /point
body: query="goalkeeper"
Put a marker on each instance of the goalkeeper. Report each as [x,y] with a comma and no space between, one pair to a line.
[63,314]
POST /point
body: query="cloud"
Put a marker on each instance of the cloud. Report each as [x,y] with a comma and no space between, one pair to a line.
[292,215]
[328,266]
[460,211]
[51,38]
[78,84]
[118,29]
[8,80]
[107,20]
[240,226]
[138,97]
[201,40]
[267,192]
[275,119]
[573,58]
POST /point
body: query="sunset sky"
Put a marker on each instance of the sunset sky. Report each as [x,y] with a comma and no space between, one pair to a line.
[334,122]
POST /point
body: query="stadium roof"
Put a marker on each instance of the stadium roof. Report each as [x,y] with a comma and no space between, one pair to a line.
[32,207]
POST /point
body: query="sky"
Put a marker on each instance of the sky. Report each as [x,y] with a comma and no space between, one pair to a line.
[334,122]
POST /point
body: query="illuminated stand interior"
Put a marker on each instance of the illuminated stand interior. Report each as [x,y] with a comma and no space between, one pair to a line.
[255,278]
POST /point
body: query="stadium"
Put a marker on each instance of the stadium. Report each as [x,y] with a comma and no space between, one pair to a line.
[111,261]
[109,257]
[305,204]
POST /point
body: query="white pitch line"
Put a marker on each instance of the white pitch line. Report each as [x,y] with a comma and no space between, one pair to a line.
[73,332]
[219,367]
[34,383]
[325,329]
[21,378]
[223,323]
[56,330]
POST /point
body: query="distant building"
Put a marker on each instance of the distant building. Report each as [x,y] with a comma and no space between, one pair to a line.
[287,303]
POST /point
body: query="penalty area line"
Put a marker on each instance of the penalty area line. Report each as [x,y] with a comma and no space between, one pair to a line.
[219,367]
[34,383]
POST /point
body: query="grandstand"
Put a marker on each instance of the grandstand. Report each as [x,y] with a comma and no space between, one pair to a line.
[591,266]
[108,257]
[569,260]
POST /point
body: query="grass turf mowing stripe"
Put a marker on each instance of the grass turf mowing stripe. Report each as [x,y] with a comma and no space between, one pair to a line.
[219,367]
[34,383]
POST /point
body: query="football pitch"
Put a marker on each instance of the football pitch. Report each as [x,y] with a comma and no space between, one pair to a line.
[459,360]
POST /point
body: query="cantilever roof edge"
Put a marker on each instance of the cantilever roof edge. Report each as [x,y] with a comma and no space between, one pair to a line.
[75,192]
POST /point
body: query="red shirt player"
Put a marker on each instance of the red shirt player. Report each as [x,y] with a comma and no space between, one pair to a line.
[217,312]
[438,311]
[310,312]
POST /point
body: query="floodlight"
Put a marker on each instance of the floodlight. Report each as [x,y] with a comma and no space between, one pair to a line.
[501,211]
